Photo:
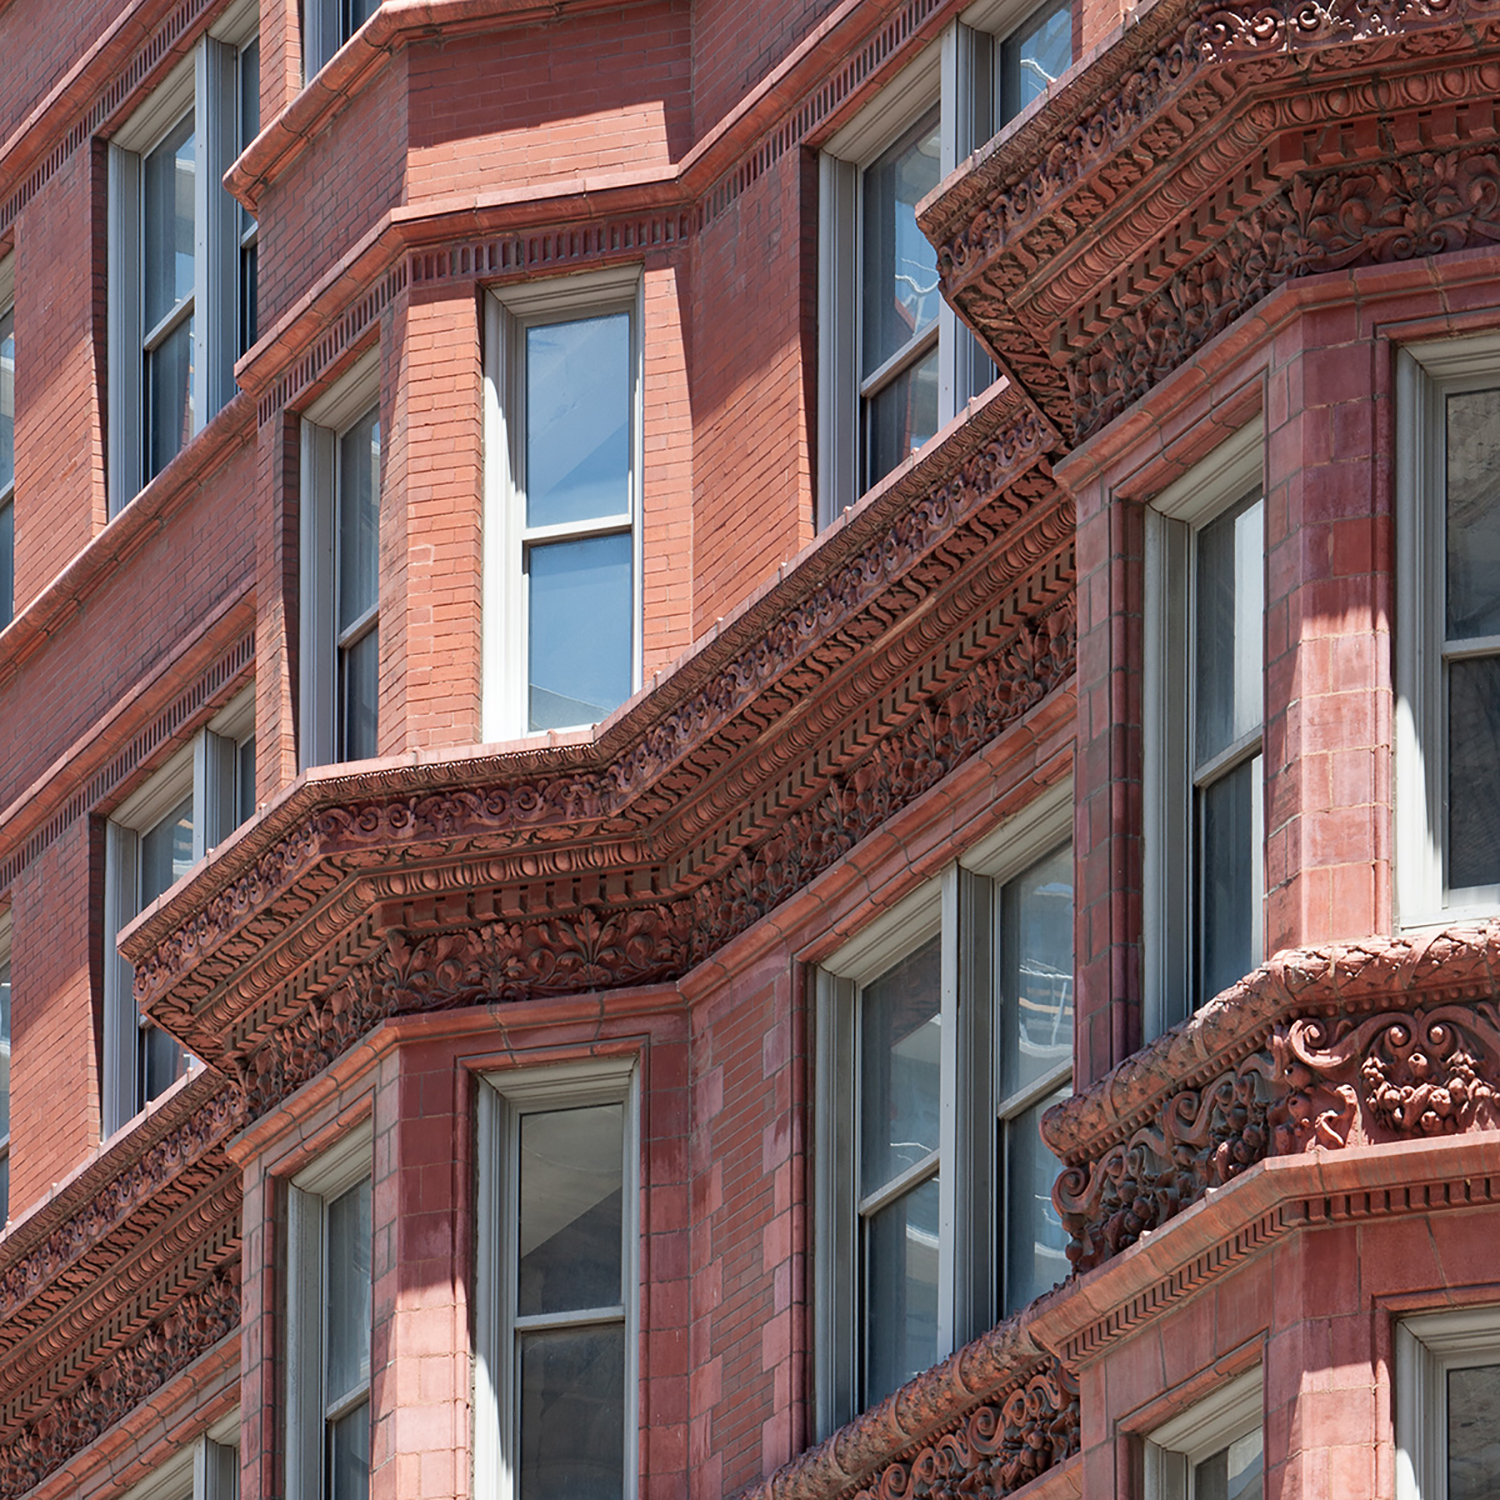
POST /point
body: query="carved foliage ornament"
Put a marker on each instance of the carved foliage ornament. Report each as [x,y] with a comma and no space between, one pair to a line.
[168,1346]
[373,828]
[1317,1084]
[1387,211]
[1000,1446]
[570,953]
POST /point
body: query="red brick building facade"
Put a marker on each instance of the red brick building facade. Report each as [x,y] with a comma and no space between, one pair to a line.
[749,749]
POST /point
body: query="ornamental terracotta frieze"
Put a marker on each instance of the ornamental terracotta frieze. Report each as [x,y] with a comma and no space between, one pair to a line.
[1211,155]
[919,628]
[989,1419]
[167,1347]
[1312,1054]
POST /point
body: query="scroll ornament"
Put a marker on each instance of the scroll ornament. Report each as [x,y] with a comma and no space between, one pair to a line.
[1000,1447]
[1319,1083]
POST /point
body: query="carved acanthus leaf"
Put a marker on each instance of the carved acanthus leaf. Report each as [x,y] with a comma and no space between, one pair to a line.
[168,1346]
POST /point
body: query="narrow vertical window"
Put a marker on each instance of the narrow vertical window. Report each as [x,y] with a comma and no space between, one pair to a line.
[168,236]
[899,303]
[247,119]
[556,1407]
[7,465]
[357,497]
[1034,1066]
[1228,693]
[1214,1450]
[1203,721]
[340,565]
[330,1282]
[166,853]
[329,24]
[900,1096]
[562,560]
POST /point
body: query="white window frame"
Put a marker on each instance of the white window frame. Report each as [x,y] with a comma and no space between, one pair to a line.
[208,1468]
[961,75]
[503,1098]
[1425,374]
[324,33]
[1232,1411]
[962,905]
[509,312]
[309,1193]
[319,689]
[206,83]
[8,490]
[208,770]
[1428,1345]
[1173,519]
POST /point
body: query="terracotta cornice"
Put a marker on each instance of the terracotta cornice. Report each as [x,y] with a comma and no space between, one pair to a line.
[439,881]
[1204,157]
[1322,1049]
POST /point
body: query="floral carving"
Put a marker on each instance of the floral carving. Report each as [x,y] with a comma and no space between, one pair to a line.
[168,1345]
[1391,1076]
[1389,211]
[1000,1446]
[1204,1139]
[1280,27]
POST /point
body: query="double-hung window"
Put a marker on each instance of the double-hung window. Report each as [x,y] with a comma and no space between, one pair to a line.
[1447,1389]
[340,679]
[174,254]
[7,442]
[327,25]
[247,120]
[1213,1451]
[152,840]
[555,1378]
[943,1035]
[1204,713]
[329,1242]
[562,560]
[1448,640]
[208,1469]
[895,363]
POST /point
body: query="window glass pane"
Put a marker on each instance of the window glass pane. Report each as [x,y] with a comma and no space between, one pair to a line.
[7,399]
[900,1033]
[4,1048]
[249,296]
[169,396]
[1233,1473]
[160,1061]
[1227,879]
[1474,1433]
[1036,56]
[349,1455]
[249,100]
[5,1188]
[578,390]
[7,564]
[1227,687]
[166,851]
[1036,1256]
[1474,772]
[1473,604]
[573,1414]
[578,630]
[167,223]
[901,1290]
[900,417]
[347,1288]
[900,264]
[1036,971]
[359,698]
[571,1207]
[359,519]
[352,15]
[244,780]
